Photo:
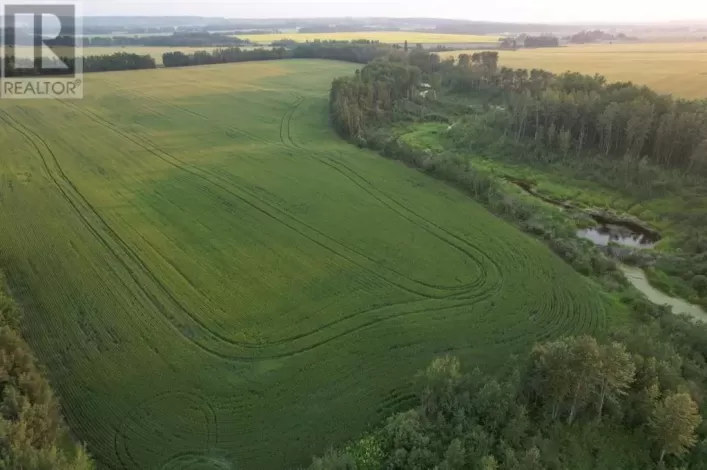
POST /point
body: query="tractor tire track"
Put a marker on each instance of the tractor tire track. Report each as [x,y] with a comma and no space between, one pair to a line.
[286,139]
[28,134]
[203,405]
[195,171]
[161,285]
[201,324]
[387,201]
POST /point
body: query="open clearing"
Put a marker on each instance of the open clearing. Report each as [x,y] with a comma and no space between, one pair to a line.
[214,279]
[389,37]
[677,68]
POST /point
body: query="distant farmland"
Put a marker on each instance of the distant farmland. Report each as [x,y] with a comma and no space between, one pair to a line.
[155,52]
[215,280]
[677,68]
[389,37]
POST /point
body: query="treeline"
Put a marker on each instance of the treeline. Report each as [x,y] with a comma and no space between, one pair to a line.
[221,56]
[349,52]
[574,113]
[179,39]
[32,432]
[101,63]
[632,401]
[358,52]
[345,28]
[528,41]
[584,37]
[291,43]
[192,39]
[541,41]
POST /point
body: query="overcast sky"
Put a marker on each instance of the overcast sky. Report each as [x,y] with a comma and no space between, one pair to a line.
[490,10]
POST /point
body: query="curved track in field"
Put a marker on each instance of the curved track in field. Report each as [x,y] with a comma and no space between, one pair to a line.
[192,423]
[463,296]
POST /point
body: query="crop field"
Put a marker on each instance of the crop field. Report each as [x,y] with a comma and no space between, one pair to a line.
[676,68]
[389,37]
[215,280]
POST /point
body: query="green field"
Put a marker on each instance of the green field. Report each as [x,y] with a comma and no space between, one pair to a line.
[215,280]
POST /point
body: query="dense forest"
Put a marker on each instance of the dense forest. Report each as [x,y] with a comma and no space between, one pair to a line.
[572,113]
[632,400]
[32,433]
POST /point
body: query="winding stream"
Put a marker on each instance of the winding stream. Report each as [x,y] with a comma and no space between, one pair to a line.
[638,279]
[609,228]
[624,232]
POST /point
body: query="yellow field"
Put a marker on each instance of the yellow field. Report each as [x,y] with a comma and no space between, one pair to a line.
[392,37]
[677,68]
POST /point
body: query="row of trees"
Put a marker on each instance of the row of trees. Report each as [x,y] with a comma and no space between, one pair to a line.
[584,37]
[349,52]
[221,56]
[32,433]
[541,41]
[190,39]
[101,63]
[358,52]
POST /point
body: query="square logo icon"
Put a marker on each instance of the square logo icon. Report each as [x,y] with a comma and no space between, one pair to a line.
[42,49]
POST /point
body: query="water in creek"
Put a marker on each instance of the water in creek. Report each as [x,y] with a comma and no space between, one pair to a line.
[630,234]
[614,230]
[638,279]
[605,233]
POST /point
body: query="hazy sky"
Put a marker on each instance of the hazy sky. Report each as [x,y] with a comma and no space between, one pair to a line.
[493,10]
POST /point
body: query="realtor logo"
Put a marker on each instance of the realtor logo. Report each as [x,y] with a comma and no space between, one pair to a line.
[42,52]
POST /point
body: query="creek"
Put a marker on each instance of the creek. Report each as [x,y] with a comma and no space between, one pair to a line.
[638,279]
[624,232]
[609,228]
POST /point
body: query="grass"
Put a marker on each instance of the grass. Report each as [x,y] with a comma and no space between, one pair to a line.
[677,68]
[215,280]
[390,37]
